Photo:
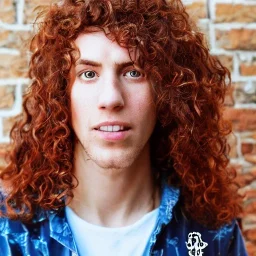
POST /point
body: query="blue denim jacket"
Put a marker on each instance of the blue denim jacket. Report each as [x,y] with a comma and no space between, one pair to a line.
[49,234]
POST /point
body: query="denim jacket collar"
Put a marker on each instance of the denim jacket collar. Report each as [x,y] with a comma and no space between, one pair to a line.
[60,230]
[170,197]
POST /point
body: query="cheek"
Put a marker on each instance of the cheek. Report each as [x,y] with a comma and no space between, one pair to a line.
[145,108]
[79,106]
[80,97]
[75,105]
[146,102]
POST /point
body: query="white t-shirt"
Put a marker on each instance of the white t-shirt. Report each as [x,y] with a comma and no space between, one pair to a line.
[93,240]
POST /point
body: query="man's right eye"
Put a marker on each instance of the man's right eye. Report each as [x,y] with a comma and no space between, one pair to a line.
[87,75]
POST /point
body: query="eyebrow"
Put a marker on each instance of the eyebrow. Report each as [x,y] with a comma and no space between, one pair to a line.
[98,64]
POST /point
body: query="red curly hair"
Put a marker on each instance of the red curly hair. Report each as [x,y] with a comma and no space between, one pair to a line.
[188,145]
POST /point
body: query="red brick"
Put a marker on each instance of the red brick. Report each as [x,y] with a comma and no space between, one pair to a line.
[236,39]
[12,66]
[7,11]
[6,96]
[33,8]
[248,68]
[197,9]
[250,158]
[250,135]
[3,150]
[235,13]
[250,234]
[249,152]
[250,207]
[250,194]
[8,123]
[242,119]
[229,97]
[251,248]
[226,61]
[244,179]
[248,148]
[237,167]
[245,93]
[14,39]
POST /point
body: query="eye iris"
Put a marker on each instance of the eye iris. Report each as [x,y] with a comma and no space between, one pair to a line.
[134,73]
[89,74]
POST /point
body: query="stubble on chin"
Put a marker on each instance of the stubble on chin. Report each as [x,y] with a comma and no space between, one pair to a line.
[108,162]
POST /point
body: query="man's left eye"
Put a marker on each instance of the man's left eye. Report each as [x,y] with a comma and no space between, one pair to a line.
[134,74]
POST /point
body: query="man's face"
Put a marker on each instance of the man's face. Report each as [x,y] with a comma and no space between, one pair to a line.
[113,114]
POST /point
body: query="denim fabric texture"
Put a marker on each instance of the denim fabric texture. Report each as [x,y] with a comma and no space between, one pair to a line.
[49,234]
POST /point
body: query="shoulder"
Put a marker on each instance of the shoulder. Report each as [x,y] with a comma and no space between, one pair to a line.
[19,232]
[10,226]
[185,236]
[20,238]
[178,235]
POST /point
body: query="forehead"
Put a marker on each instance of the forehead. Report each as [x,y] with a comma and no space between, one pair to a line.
[97,46]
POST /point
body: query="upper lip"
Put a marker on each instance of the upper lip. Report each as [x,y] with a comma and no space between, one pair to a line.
[112,123]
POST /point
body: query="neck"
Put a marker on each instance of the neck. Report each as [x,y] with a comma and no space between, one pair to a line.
[110,197]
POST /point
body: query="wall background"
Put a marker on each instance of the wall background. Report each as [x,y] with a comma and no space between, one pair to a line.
[230,28]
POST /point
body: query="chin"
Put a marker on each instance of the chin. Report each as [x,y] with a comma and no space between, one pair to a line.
[114,162]
[116,159]
[111,159]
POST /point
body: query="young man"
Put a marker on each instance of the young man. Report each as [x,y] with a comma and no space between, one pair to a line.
[121,148]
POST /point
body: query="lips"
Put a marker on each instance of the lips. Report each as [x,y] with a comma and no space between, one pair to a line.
[113,131]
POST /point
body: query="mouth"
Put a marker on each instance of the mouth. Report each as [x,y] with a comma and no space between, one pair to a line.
[112,128]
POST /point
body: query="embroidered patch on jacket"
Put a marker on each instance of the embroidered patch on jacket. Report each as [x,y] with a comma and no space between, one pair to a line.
[195,244]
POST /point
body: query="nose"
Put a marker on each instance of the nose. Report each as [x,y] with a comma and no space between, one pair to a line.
[111,94]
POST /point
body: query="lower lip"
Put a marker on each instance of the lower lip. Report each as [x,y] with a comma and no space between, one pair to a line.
[113,136]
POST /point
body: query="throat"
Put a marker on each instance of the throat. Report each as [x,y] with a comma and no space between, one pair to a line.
[116,211]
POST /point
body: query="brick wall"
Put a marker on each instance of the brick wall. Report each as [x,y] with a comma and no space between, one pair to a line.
[230,28]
